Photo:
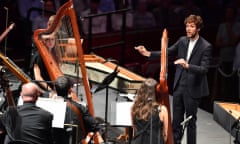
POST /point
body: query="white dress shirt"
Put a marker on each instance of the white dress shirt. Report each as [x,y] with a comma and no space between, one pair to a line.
[190,48]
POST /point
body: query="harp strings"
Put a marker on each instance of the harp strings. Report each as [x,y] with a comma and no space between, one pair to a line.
[66,47]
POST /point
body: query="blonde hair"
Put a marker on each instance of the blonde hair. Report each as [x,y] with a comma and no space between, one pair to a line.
[50,20]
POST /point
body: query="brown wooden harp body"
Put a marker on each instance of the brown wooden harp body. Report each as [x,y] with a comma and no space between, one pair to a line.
[162,87]
[68,47]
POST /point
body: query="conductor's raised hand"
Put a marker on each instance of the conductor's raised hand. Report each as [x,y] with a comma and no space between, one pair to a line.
[142,50]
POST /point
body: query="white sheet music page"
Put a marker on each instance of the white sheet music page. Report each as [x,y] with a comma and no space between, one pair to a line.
[121,113]
[56,106]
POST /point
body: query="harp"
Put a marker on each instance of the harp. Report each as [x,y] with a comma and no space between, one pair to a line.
[68,47]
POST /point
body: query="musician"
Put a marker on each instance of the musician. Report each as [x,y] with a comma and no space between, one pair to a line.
[63,87]
[190,85]
[150,119]
[27,122]
[37,66]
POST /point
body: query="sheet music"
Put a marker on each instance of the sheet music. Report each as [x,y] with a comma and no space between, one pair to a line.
[56,106]
[121,113]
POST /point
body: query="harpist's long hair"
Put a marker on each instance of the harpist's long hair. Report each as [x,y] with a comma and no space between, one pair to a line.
[145,101]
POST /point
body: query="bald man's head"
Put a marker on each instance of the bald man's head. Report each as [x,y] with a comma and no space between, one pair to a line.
[30,92]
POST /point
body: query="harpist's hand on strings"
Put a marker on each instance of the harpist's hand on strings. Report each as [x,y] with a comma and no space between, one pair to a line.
[182,62]
[142,50]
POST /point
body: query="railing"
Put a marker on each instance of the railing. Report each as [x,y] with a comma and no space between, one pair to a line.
[122,42]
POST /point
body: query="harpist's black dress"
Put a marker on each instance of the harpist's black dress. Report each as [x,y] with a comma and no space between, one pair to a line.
[143,130]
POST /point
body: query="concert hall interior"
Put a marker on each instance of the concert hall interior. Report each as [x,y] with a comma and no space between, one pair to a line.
[113,49]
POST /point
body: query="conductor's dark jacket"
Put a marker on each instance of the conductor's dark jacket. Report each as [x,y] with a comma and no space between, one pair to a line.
[199,61]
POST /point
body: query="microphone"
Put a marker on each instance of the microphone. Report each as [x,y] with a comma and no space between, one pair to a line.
[6,8]
[186,120]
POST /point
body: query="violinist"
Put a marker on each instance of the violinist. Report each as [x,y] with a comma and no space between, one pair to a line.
[190,84]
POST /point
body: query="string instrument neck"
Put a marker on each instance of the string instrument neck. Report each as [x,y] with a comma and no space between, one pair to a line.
[164,42]
[162,88]
[4,34]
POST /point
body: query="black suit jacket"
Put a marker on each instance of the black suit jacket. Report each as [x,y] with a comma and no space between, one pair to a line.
[62,136]
[199,61]
[29,123]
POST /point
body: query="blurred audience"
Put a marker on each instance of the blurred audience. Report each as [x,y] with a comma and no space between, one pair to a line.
[42,20]
[117,17]
[162,13]
[236,65]
[142,18]
[228,35]
[99,23]
[25,5]
[107,5]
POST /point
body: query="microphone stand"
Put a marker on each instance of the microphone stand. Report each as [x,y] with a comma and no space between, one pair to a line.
[185,124]
[183,129]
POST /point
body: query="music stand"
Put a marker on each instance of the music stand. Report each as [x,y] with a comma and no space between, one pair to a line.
[105,85]
[236,127]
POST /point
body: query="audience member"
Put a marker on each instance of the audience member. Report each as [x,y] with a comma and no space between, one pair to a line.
[228,35]
[149,118]
[41,21]
[142,18]
[212,11]
[28,122]
[87,123]
[25,5]
[236,5]
[162,13]
[107,5]
[57,4]
[99,23]
[236,66]
[236,62]
[80,6]
[117,17]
